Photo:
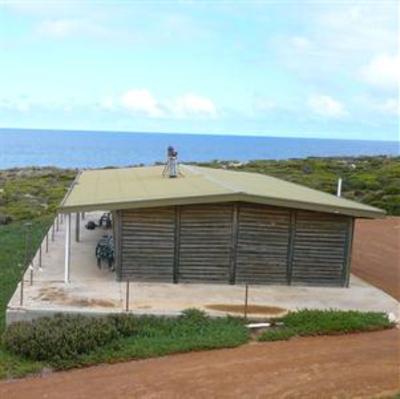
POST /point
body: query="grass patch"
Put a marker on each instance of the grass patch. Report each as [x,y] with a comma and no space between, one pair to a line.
[12,257]
[13,366]
[326,322]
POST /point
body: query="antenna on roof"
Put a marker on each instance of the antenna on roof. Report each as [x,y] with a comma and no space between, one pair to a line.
[171,167]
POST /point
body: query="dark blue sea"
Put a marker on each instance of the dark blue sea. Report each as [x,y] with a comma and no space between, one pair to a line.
[98,149]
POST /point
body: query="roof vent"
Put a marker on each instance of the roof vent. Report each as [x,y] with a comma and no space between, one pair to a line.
[171,167]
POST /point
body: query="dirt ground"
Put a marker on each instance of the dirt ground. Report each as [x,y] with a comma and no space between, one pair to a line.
[376,253]
[351,366]
[359,365]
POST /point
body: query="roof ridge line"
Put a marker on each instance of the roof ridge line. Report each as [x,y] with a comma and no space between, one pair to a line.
[200,171]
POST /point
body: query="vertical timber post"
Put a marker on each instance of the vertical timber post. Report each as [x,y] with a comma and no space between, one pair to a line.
[292,234]
[234,243]
[177,244]
[118,230]
[127,296]
[77,227]
[47,242]
[348,253]
[67,248]
[58,222]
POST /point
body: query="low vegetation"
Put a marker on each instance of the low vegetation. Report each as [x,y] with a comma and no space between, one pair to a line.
[29,193]
[71,341]
[67,341]
[12,261]
[325,322]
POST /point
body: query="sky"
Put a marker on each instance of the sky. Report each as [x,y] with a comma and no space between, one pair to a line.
[327,69]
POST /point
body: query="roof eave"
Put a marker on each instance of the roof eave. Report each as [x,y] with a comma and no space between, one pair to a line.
[220,198]
[374,213]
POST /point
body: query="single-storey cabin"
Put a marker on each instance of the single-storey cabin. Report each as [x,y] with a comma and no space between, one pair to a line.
[220,226]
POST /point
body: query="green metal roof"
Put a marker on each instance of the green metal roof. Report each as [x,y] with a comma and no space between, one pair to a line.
[112,189]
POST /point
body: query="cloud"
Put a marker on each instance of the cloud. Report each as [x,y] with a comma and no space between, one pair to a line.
[107,103]
[336,40]
[300,43]
[383,71]
[326,106]
[193,105]
[261,104]
[19,104]
[390,106]
[60,27]
[142,101]
[67,27]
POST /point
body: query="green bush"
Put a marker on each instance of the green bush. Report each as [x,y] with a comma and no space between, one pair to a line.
[316,322]
[326,322]
[125,324]
[69,341]
[59,337]
[277,334]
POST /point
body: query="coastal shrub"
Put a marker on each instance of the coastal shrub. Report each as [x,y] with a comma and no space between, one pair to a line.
[69,341]
[316,322]
[126,324]
[326,322]
[59,337]
[277,334]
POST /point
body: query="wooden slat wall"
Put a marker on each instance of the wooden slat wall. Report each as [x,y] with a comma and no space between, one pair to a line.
[320,253]
[148,244]
[233,243]
[263,241]
[205,243]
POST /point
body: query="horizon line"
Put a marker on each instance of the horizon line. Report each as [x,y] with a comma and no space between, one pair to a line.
[250,135]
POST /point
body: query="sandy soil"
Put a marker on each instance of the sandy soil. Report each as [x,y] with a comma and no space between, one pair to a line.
[376,253]
[360,365]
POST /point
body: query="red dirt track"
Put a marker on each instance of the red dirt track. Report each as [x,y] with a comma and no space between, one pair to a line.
[350,366]
[376,253]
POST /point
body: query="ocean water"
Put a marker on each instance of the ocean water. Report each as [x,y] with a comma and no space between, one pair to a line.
[98,149]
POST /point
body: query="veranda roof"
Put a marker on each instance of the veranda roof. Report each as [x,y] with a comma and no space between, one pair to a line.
[144,187]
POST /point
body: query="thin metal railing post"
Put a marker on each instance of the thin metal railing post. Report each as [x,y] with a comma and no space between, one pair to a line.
[127,296]
[47,242]
[52,232]
[40,255]
[31,274]
[57,222]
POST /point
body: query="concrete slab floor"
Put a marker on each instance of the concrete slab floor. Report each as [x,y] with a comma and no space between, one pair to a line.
[95,291]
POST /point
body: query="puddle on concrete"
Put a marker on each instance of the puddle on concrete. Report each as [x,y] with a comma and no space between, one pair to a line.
[59,296]
[251,309]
